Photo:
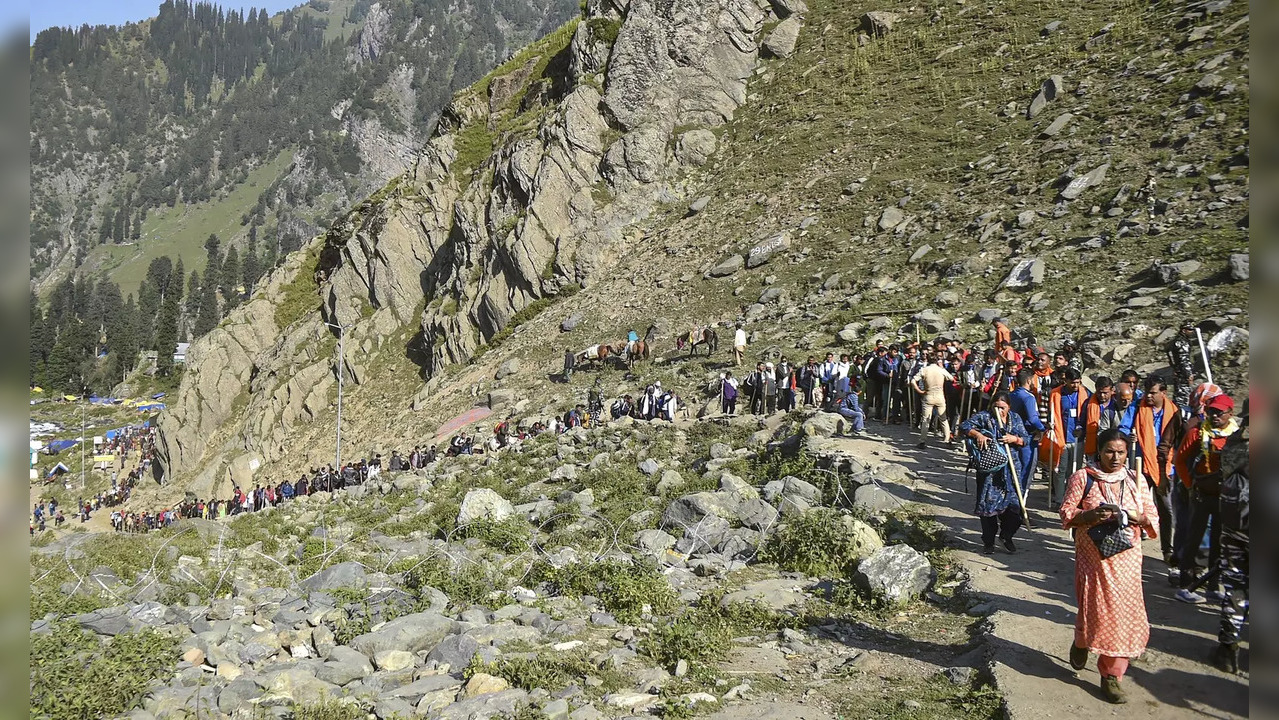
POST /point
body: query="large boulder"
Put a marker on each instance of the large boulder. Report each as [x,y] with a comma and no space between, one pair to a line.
[781,41]
[343,575]
[895,574]
[689,510]
[484,504]
[875,499]
[416,632]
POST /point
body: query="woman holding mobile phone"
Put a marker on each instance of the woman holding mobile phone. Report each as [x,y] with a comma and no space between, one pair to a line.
[1106,506]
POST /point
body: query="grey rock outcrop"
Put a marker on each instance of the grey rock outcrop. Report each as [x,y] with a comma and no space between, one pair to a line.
[895,574]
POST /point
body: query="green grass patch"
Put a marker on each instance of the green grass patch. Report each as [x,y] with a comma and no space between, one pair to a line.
[76,676]
[302,294]
[820,542]
[625,589]
[549,671]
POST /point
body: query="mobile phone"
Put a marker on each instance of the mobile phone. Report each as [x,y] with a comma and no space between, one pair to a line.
[1109,506]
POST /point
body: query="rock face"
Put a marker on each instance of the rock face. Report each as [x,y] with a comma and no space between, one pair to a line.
[451,250]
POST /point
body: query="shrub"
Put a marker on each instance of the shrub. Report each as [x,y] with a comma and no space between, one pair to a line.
[820,542]
[329,710]
[624,588]
[549,671]
[510,536]
[700,637]
[467,585]
[74,675]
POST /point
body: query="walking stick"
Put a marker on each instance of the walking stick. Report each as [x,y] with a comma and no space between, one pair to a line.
[1012,467]
[1203,353]
[888,401]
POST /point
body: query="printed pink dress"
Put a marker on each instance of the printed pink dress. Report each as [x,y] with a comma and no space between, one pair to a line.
[1112,607]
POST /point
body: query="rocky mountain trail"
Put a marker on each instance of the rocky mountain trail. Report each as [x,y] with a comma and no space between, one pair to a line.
[361,614]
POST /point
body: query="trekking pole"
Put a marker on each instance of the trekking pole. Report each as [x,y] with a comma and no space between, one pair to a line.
[1012,467]
[888,399]
[1203,353]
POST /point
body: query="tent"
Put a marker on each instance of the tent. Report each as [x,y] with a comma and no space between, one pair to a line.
[151,407]
[56,446]
[57,470]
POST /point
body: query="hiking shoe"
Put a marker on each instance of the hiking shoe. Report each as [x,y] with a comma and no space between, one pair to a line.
[989,549]
[1169,559]
[1078,657]
[1227,658]
[922,446]
[1214,597]
[1009,544]
[1189,596]
[1110,688]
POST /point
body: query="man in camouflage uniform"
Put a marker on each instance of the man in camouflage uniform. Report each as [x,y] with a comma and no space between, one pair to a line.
[1182,358]
[1233,513]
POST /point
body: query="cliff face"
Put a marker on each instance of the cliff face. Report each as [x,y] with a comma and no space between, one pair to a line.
[528,186]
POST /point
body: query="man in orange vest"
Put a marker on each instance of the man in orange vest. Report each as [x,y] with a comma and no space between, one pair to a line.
[1002,333]
[1060,445]
[1157,426]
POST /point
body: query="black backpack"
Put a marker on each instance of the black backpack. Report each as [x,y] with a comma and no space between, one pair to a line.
[1233,498]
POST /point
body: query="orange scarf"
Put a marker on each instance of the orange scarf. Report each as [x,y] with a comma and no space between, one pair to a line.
[1092,419]
[1052,444]
[1145,429]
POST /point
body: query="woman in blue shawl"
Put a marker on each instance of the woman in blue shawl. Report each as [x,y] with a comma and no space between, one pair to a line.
[998,504]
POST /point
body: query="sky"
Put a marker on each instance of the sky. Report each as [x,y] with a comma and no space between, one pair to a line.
[48,13]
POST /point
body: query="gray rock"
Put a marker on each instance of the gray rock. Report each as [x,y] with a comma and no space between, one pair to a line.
[947,298]
[1048,92]
[1056,126]
[757,514]
[571,322]
[823,424]
[890,218]
[1239,266]
[699,204]
[895,574]
[1172,272]
[781,41]
[989,315]
[508,368]
[671,481]
[343,575]
[237,693]
[878,23]
[696,147]
[786,8]
[344,666]
[727,266]
[556,709]
[1229,339]
[414,633]
[875,499]
[721,450]
[654,543]
[484,504]
[300,685]
[455,650]
[1079,184]
[649,466]
[776,594]
[427,685]
[1028,272]
[506,702]
[920,253]
[763,252]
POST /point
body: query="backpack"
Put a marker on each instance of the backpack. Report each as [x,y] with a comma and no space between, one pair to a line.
[730,392]
[1233,497]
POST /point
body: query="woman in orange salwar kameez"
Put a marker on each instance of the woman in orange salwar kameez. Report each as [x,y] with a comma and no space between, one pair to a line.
[1112,609]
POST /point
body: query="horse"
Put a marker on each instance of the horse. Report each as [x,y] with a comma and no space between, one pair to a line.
[704,336]
[630,350]
[595,353]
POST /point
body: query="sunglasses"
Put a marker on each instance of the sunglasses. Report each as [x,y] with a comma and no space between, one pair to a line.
[1214,412]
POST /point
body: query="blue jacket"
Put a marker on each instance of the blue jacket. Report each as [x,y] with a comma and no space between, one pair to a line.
[1027,408]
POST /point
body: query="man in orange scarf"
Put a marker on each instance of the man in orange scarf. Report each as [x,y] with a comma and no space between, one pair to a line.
[1098,414]
[1002,333]
[1157,426]
[1060,445]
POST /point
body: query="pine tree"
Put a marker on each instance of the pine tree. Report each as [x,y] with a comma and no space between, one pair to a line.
[231,272]
[178,274]
[207,318]
[193,302]
[252,269]
[166,334]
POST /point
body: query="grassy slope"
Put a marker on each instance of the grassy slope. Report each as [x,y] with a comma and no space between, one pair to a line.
[180,232]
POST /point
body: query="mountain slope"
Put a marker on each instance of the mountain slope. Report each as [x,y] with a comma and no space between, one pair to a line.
[838,165]
[143,133]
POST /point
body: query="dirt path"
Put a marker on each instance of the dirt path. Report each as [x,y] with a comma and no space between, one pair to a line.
[1032,592]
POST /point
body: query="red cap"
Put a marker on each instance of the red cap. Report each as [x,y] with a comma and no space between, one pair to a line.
[1221,402]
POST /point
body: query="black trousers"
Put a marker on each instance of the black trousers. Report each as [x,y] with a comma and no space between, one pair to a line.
[1005,525]
[1203,510]
[1234,585]
[1163,506]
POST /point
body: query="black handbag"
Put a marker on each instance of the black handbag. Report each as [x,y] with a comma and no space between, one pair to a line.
[991,457]
[1111,538]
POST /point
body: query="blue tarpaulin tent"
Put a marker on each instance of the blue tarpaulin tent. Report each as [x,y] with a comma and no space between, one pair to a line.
[112,433]
[151,407]
[56,446]
[57,470]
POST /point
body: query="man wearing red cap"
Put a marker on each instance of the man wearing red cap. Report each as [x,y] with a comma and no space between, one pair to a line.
[1198,463]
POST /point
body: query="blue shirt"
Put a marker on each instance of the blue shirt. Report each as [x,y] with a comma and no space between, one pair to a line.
[1027,408]
[1070,420]
[1127,417]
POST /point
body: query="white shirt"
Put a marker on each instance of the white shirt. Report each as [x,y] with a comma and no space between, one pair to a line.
[739,338]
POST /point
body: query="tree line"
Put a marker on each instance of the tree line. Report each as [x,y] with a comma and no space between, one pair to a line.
[88,337]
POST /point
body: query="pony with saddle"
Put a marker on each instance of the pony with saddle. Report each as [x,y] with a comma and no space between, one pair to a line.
[698,336]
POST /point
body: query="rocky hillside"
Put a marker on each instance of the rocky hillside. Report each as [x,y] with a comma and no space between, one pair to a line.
[830,174]
[148,137]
